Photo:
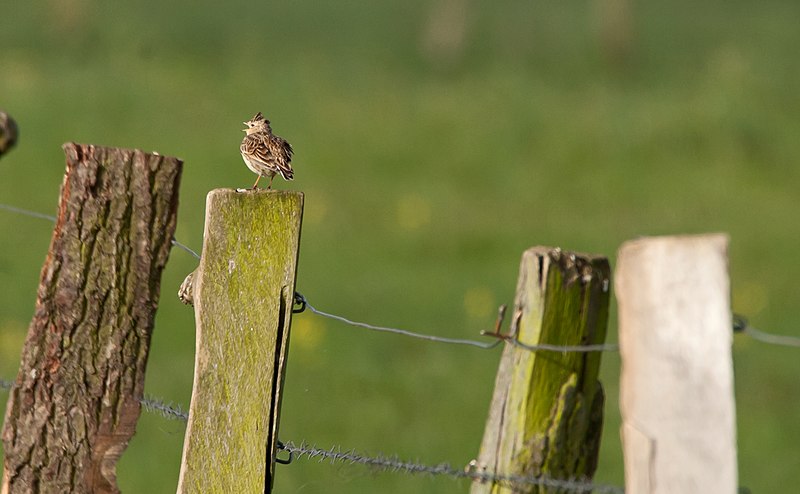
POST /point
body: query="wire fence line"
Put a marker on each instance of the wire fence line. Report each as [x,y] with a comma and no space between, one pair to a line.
[166,410]
[27,212]
[390,463]
[609,347]
[42,216]
[470,472]
[740,323]
[394,463]
[439,339]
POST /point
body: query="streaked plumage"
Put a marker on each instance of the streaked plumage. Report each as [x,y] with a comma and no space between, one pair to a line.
[265,154]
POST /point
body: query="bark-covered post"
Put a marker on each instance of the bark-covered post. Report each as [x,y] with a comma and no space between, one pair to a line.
[75,402]
[546,415]
[242,292]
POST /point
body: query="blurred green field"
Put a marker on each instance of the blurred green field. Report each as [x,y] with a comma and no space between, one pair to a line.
[435,141]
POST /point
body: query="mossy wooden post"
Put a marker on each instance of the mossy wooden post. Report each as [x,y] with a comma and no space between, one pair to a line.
[76,399]
[546,414]
[243,292]
[676,388]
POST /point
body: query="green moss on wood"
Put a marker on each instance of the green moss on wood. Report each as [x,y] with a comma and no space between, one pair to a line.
[243,289]
[546,414]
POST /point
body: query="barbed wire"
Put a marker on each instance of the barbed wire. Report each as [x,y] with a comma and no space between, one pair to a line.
[391,463]
[166,410]
[394,464]
[151,404]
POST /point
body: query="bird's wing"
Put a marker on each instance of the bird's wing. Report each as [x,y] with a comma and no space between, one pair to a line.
[282,151]
[257,147]
[287,149]
[272,151]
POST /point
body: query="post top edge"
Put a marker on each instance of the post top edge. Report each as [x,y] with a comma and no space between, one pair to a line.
[542,250]
[224,191]
[664,240]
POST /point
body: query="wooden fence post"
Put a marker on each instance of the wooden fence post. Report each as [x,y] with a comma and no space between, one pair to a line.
[546,415]
[242,292]
[76,399]
[676,396]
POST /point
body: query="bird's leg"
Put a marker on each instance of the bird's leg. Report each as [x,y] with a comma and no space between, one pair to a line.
[269,187]
[256,184]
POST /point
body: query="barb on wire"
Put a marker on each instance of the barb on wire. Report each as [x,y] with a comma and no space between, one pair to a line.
[395,464]
[303,302]
[173,412]
[740,324]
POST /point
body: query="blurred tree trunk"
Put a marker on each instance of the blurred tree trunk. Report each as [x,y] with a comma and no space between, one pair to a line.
[614,24]
[8,132]
[76,399]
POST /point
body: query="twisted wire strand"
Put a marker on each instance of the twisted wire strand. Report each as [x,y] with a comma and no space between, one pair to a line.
[394,464]
[383,462]
[166,410]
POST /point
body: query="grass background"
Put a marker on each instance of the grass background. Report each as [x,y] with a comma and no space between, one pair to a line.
[435,141]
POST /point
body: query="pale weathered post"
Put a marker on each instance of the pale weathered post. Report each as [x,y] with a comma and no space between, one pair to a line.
[546,414]
[75,402]
[676,389]
[242,292]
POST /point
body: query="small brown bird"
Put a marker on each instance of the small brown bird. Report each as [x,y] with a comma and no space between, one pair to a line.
[264,153]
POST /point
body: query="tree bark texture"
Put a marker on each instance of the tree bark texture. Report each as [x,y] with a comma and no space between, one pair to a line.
[76,399]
